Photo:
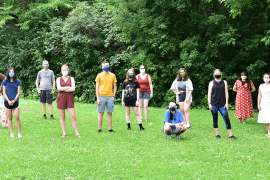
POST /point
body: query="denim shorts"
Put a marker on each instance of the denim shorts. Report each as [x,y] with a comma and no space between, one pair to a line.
[145,95]
[105,101]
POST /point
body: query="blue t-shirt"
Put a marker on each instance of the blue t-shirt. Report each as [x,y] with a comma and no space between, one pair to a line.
[177,118]
[11,89]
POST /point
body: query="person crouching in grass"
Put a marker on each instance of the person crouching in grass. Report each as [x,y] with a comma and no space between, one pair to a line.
[174,122]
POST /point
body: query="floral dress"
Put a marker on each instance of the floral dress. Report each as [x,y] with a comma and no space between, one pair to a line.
[265,104]
[243,103]
[3,112]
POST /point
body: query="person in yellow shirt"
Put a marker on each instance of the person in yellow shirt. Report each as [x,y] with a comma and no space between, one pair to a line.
[105,91]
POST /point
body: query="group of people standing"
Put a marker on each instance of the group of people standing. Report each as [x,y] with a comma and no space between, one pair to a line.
[137,90]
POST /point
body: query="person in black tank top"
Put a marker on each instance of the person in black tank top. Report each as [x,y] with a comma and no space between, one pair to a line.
[218,97]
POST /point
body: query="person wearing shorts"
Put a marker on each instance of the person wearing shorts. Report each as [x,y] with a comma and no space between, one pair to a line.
[105,91]
[3,112]
[130,97]
[11,90]
[65,100]
[146,92]
[45,89]
[174,122]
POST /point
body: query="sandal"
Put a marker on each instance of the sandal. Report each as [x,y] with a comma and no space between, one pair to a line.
[245,121]
[268,135]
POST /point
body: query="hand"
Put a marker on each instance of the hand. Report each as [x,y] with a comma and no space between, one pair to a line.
[137,103]
[259,107]
[9,103]
[123,104]
[12,102]
[52,92]
[98,102]
[151,95]
[210,107]
[187,100]
[38,90]
[227,107]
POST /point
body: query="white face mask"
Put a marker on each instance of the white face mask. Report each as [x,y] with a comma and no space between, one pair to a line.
[65,73]
[266,80]
[142,71]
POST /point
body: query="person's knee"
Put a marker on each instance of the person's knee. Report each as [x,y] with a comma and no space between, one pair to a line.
[186,111]
[62,116]
[73,117]
[109,114]
[215,118]
[101,114]
[227,120]
[145,106]
[167,129]
[127,113]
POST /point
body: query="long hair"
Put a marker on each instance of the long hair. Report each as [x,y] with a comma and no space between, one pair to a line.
[179,77]
[15,75]
[247,80]
[134,76]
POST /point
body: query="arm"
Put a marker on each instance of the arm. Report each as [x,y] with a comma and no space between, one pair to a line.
[97,93]
[5,94]
[138,97]
[114,89]
[253,89]
[151,86]
[17,95]
[209,94]
[72,88]
[227,95]
[173,87]
[59,86]
[53,80]
[235,88]
[259,98]
[123,93]
[37,81]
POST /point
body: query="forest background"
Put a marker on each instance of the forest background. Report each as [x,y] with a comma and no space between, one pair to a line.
[164,35]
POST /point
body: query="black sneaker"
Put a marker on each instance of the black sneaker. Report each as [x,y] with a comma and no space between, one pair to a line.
[44,118]
[141,129]
[52,118]
[99,131]
[218,137]
[111,131]
[129,128]
[232,137]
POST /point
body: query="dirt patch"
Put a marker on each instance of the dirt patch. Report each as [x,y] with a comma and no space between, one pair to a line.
[28,111]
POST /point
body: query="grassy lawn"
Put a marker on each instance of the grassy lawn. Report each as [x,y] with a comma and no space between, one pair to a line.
[42,154]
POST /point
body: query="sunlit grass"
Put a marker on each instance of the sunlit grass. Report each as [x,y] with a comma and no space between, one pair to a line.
[42,154]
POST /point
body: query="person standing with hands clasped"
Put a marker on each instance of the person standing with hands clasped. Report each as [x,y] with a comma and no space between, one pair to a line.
[45,89]
[146,92]
[264,103]
[218,97]
[12,91]
[130,97]
[65,100]
[243,104]
[105,81]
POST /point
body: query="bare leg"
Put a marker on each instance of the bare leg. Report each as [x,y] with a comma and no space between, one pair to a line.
[127,114]
[44,108]
[62,121]
[135,110]
[230,132]
[181,105]
[51,108]
[268,128]
[187,114]
[10,124]
[109,120]
[146,109]
[141,108]
[100,118]
[240,120]
[72,115]
[18,121]
[167,130]
[216,131]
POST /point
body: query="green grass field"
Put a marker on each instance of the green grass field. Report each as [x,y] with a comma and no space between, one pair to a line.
[42,154]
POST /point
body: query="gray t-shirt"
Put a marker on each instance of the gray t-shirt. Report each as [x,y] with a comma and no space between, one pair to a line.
[45,79]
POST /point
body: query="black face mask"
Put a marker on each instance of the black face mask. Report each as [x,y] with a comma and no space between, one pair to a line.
[171,114]
[217,76]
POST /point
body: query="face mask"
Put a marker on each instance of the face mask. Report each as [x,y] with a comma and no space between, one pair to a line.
[244,77]
[106,68]
[65,73]
[11,75]
[182,74]
[217,76]
[45,66]
[266,80]
[130,75]
[172,108]
[142,71]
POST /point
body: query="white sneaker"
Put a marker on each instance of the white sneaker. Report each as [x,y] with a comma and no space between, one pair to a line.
[177,136]
[19,135]
[12,135]
[169,137]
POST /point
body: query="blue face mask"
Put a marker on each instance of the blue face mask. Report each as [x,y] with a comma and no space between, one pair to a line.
[106,68]
[11,75]
[130,75]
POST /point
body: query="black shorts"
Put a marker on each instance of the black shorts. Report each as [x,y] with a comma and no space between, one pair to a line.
[182,97]
[15,105]
[46,95]
[130,103]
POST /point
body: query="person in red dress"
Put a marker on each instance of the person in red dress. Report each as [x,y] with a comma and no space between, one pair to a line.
[65,99]
[243,104]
